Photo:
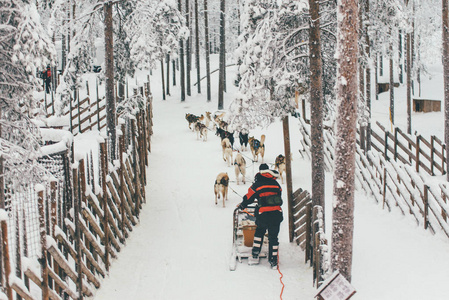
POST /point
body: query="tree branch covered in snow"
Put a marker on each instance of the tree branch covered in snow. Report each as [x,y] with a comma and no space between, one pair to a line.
[25,49]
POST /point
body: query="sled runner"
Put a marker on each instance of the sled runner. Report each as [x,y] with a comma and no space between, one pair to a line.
[242,240]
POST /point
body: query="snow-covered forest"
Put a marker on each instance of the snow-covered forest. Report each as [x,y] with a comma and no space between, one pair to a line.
[80,82]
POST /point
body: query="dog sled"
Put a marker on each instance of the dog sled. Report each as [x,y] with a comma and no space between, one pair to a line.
[244,226]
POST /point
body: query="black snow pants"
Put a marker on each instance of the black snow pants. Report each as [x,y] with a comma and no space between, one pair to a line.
[271,221]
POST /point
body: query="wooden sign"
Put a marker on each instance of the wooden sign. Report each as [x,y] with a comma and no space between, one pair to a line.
[336,287]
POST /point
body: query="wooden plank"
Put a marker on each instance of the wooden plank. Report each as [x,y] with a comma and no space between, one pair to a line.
[94,204]
[88,235]
[62,284]
[21,291]
[303,202]
[38,281]
[114,197]
[92,222]
[87,253]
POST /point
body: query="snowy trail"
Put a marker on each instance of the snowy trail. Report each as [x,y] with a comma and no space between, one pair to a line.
[181,248]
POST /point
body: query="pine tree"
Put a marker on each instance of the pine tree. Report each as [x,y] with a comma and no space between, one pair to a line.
[347,95]
[25,50]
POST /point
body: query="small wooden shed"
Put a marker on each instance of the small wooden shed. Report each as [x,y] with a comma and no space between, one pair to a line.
[426,105]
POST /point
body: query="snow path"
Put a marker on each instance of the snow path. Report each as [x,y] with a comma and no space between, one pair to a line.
[181,248]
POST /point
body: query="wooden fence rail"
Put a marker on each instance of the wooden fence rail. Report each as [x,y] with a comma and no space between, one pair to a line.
[309,233]
[80,237]
[390,176]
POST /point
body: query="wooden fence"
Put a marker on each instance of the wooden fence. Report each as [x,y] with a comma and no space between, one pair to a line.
[309,233]
[393,181]
[429,156]
[82,220]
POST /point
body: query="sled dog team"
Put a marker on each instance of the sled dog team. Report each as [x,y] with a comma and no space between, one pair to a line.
[202,124]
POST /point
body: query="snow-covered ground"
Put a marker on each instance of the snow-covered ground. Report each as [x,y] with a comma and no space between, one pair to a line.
[181,247]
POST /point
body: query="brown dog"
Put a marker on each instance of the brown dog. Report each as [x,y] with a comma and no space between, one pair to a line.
[257,147]
[221,187]
[240,167]
[192,119]
[279,164]
[227,151]
[201,131]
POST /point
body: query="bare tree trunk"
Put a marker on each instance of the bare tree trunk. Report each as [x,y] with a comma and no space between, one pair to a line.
[168,74]
[316,105]
[162,77]
[197,48]
[400,48]
[174,72]
[181,61]
[207,45]
[189,60]
[347,94]
[221,82]
[391,83]
[409,79]
[368,76]
[445,17]
[109,74]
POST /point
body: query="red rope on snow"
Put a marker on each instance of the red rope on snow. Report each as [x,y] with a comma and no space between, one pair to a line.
[280,278]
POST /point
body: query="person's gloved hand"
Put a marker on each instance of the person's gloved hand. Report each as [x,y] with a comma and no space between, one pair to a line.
[240,206]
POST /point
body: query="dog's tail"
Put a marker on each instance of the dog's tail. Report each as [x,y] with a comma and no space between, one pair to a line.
[262,139]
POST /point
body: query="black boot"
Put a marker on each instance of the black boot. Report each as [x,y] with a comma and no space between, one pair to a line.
[273,256]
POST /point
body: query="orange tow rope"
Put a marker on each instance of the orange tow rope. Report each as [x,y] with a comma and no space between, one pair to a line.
[248,212]
[280,278]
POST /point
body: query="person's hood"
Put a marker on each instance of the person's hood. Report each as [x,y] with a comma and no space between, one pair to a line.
[272,174]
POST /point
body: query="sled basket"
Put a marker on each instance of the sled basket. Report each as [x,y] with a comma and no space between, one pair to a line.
[248,234]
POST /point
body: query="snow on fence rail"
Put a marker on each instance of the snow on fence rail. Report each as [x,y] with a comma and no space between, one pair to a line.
[60,237]
[394,182]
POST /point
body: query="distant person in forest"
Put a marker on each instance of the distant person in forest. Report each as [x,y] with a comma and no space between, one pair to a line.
[46,75]
[268,212]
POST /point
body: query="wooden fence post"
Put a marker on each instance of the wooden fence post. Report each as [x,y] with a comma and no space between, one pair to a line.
[418,150]
[122,181]
[76,208]
[443,213]
[432,154]
[309,233]
[396,143]
[384,188]
[43,240]
[98,108]
[443,160]
[135,166]
[426,206]
[6,261]
[386,146]
[288,172]
[104,172]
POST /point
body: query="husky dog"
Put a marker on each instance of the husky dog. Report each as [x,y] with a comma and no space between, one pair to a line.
[223,134]
[192,119]
[243,137]
[257,147]
[279,165]
[201,131]
[221,187]
[227,151]
[208,119]
[240,167]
